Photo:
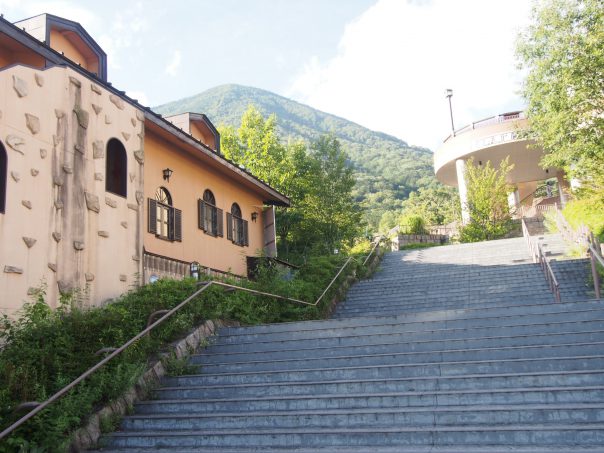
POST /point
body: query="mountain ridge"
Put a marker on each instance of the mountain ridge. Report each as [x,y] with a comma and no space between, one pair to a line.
[387,168]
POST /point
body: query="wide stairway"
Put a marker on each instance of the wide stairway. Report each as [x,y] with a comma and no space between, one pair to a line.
[454,349]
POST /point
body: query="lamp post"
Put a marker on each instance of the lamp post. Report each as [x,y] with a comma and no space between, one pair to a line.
[449,95]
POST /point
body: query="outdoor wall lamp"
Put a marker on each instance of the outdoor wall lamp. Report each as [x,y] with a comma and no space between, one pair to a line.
[254,216]
[167,172]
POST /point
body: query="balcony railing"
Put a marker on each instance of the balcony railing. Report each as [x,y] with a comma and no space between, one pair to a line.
[510,116]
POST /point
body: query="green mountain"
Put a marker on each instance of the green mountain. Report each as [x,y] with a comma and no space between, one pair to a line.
[387,168]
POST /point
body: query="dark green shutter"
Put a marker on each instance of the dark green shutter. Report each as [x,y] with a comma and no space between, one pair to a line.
[152,216]
[201,214]
[229,226]
[177,228]
[219,223]
[246,240]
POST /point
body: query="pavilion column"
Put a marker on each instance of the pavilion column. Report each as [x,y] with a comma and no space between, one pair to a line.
[460,166]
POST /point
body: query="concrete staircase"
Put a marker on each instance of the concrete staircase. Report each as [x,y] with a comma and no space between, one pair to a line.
[450,349]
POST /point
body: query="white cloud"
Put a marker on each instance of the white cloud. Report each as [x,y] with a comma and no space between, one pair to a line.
[172,67]
[140,96]
[395,61]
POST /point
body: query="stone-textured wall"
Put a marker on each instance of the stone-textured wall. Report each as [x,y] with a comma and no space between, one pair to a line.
[60,227]
[405,239]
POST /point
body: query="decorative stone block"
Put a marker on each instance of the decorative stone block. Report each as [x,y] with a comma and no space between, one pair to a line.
[124,224]
[30,242]
[98,149]
[39,79]
[126,136]
[92,202]
[139,197]
[132,177]
[75,81]
[12,270]
[57,181]
[139,156]
[58,204]
[140,115]
[34,172]
[43,153]
[136,258]
[16,143]
[95,89]
[133,122]
[123,277]
[103,234]
[82,116]
[89,277]
[98,176]
[15,175]
[56,140]
[78,245]
[67,169]
[107,119]
[110,202]
[64,287]
[59,113]
[79,148]
[52,267]
[117,101]
[33,123]
[26,203]
[20,86]
[56,236]
[31,291]
[97,108]
[133,206]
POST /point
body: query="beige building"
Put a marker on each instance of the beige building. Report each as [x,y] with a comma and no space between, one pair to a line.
[98,193]
[493,139]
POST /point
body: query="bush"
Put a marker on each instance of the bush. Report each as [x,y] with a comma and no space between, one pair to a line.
[413,225]
[588,211]
[46,349]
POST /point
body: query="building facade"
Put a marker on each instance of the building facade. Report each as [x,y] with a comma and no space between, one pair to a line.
[98,193]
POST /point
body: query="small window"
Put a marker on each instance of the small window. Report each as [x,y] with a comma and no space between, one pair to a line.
[237,228]
[116,168]
[210,217]
[3,176]
[165,221]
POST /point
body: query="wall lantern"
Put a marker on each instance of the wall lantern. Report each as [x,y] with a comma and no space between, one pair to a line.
[167,172]
[254,216]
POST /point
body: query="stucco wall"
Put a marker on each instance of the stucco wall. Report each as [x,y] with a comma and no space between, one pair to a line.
[60,227]
[187,184]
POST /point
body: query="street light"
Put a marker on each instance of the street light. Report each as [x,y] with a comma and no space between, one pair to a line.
[449,95]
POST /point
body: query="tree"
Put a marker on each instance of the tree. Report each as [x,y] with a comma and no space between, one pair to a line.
[563,52]
[437,205]
[487,202]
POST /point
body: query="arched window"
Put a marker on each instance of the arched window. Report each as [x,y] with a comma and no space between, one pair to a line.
[116,169]
[3,176]
[209,216]
[237,228]
[165,221]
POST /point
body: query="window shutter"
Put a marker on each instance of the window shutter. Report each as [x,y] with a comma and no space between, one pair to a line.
[177,233]
[246,240]
[152,216]
[229,226]
[201,214]
[219,223]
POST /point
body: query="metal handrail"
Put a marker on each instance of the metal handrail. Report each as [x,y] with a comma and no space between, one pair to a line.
[539,257]
[204,285]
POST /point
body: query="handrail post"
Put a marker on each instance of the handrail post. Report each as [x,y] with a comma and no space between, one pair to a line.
[594,273]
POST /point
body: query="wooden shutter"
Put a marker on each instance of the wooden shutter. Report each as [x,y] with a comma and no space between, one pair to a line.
[152,216]
[229,217]
[219,223]
[177,227]
[201,215]
[246,239]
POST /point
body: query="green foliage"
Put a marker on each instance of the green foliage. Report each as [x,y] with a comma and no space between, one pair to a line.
[387,169]
[563,53]
[587,211]
[413,224]
[318,180]
[418,245]
[437,205]
[179,366]
[487,202]
[46,349]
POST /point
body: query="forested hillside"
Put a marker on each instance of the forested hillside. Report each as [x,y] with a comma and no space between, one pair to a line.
[386,168]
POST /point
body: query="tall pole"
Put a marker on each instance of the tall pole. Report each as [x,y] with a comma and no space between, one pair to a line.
[449,95]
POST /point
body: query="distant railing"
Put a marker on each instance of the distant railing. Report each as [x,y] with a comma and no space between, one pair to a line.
[487,122]
[161,316]
[539,257]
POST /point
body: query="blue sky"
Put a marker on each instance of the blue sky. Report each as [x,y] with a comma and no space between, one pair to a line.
[382,63]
